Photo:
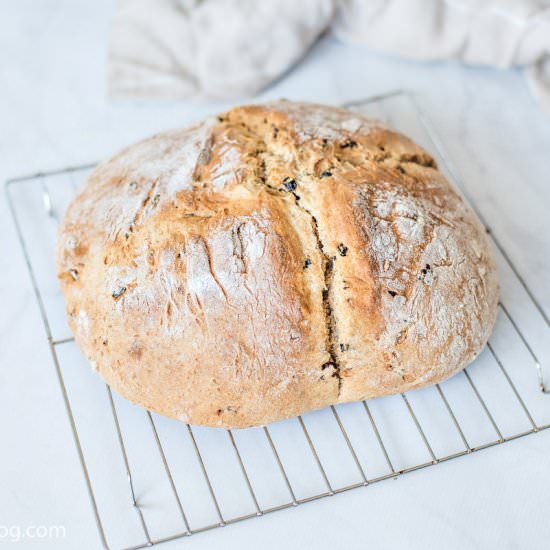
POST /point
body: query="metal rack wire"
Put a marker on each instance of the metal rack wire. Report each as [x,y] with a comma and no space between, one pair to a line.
[493,401]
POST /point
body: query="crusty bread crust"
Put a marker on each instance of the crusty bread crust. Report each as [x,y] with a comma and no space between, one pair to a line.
[274,260]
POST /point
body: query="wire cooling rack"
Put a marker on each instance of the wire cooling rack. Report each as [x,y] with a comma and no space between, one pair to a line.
[151,479]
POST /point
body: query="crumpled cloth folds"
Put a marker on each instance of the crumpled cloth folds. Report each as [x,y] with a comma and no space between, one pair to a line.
[181,49]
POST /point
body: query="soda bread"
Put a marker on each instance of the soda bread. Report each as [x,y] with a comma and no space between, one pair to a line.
[273,260]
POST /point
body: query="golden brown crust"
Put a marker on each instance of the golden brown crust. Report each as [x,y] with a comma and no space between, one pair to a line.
[277,259]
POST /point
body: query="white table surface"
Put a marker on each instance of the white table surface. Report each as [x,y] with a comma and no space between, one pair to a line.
[54,113]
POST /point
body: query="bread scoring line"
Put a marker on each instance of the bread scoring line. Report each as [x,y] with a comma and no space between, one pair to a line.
[328,264]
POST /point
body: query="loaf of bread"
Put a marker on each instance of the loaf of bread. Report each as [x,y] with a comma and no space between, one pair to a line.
[273,260]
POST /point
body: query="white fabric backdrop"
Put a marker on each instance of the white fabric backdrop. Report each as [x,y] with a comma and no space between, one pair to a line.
[179,49]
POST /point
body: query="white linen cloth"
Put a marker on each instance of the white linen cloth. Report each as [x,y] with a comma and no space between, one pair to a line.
[501,33]
[179,49]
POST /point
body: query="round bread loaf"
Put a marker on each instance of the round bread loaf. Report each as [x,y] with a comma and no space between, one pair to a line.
[270,261]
